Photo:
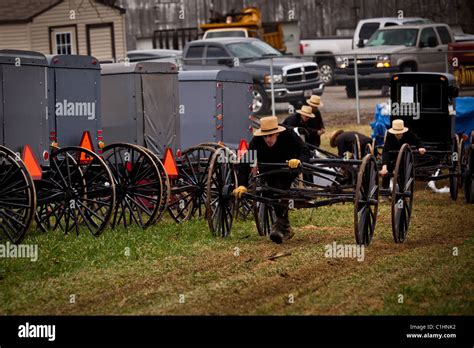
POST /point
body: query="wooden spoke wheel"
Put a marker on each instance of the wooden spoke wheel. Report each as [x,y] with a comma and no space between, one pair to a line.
[221,205]
[188,194]
[138,185]
[366,201]
[469,173]
[165,182]
[402,195]
[76,192]
[265,217]
[17,197]
[455,169]
[357,151]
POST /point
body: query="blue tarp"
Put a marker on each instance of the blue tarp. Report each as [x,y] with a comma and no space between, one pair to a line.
[465,115]
[380,125]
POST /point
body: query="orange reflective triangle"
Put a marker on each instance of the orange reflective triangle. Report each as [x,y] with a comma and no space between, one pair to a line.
[243,148]
[86,143]
[31,163]
[170,164]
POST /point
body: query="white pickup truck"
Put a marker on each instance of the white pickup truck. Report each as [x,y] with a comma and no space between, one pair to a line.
[324,52]
[325,49]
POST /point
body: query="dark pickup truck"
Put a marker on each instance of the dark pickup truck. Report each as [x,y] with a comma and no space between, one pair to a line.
[294,79]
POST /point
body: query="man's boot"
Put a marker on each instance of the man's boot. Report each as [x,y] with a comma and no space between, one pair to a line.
[286,229]
[281,231]
[276,234]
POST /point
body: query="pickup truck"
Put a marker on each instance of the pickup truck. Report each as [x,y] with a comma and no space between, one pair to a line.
[325,50]
[294,79]
[404,48]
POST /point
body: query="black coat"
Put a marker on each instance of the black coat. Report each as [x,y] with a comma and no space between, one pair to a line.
[288,146]
[345,142]
[312,126]
[393,144]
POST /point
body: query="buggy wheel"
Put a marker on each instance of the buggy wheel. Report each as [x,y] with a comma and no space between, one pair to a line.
[455,169]
[17,197]
[469,174]
[188,195]
[165,182]
[366,201]
[402,195]
[221,205]
[357,153]
[137,184]
[265,217]
[77,191]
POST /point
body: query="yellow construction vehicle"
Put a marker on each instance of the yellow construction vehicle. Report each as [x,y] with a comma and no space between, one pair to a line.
[247,23]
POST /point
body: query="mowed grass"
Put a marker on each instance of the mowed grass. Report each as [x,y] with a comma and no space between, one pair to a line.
[173,269]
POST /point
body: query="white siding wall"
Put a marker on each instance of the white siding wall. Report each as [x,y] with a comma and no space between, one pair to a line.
[14,36]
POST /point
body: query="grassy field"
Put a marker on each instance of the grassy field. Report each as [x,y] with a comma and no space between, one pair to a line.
[181,269]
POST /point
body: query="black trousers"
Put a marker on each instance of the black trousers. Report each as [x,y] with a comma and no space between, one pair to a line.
[282,182]
[386,178]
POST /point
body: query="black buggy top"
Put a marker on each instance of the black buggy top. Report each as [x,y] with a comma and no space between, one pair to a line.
[422,101]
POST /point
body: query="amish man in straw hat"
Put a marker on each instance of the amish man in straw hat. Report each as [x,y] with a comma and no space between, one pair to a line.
[344,141]
[396,137]
[275,144]
[308,120]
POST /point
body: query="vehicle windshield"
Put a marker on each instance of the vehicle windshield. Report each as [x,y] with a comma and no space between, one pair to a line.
[252,49]
[393,37]
[225,33]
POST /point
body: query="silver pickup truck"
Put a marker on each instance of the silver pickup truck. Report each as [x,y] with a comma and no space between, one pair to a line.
[395,49]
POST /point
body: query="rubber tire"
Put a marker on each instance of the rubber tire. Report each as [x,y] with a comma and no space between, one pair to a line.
[264,109]
[329,63]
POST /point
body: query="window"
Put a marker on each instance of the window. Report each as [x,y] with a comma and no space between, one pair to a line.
[218,53]
[390,24]
[367,30]
[426,35]
[443,33]
[63,43]
[431,96]
[394,37]
[194,55]
[252,49]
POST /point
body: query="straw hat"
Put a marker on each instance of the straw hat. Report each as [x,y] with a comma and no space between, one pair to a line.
[306,111]
[268,125]
[398,127]
[334,135]
[315,101]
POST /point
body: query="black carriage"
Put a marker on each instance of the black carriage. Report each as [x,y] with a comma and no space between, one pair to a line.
[425,102]
[74,188]
[141,107]
[327,179]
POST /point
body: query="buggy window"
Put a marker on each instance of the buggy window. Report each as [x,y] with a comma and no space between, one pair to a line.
[431,96]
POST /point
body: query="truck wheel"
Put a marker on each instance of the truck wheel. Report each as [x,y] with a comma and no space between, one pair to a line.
[350,90]
[260,101]
[407,68]
[326,67]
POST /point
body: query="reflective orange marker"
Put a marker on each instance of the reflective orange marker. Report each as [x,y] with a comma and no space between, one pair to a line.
[31,163]
[170,164]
